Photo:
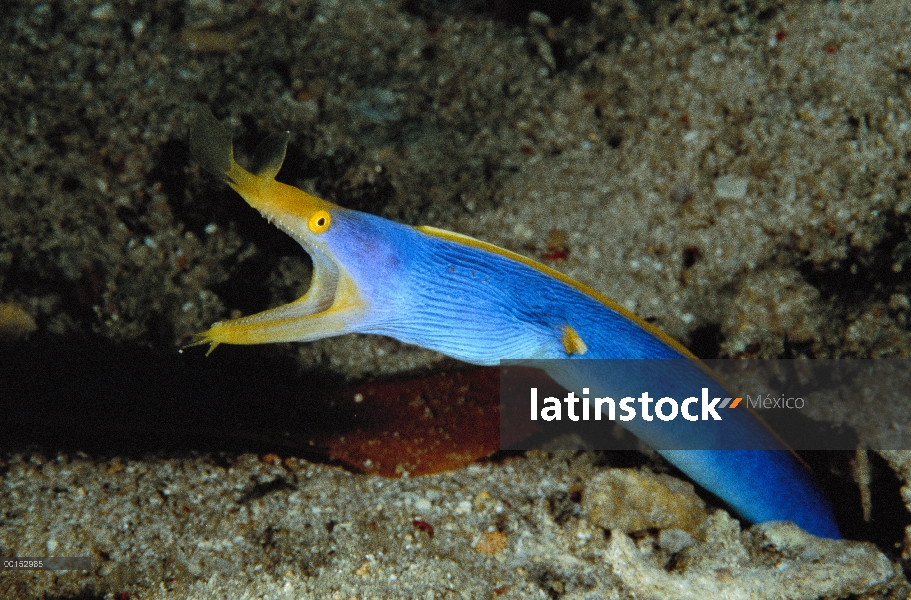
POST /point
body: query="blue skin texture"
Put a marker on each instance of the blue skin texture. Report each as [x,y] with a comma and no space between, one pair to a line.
[481,304]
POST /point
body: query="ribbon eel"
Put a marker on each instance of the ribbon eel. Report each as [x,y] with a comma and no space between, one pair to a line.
[479,303]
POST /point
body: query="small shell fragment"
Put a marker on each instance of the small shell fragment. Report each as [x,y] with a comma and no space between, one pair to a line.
[491,542]
[731,187]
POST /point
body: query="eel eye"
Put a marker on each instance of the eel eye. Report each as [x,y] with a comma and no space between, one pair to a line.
[319,221]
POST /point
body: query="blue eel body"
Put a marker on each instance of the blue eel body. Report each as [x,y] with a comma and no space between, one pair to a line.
[480,304]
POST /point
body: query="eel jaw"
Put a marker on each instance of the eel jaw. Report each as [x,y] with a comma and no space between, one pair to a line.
[332,306]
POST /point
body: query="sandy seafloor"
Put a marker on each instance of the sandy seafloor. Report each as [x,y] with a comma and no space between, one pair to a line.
[737,173]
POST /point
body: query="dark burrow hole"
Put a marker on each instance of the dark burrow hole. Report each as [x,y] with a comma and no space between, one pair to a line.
[705,341]
[864,276]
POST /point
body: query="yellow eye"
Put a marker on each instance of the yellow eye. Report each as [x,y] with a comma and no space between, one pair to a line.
[319,221]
